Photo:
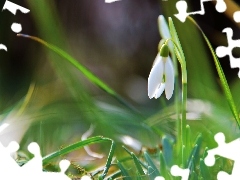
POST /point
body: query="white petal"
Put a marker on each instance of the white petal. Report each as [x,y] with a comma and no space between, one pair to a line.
[155,76]
[163,27]
[164,30]
[169,78]
[159,91]
[157,59]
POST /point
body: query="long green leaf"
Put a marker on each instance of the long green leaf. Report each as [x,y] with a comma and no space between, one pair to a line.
[167,151]
[73,147]
[194,155]
[178,49]
[222,77]
[86,72]
[109,160]
[125,174]
[163,167]
[204,170]
[137,164]
[154,171]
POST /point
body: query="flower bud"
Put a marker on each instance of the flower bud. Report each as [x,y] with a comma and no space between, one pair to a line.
[164,51]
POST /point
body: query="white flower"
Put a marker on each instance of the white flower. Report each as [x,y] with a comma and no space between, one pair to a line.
[161,77]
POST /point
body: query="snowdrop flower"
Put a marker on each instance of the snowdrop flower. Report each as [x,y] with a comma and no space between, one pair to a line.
[161,76]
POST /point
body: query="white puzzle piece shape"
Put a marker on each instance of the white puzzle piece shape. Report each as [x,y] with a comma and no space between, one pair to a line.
[177,171]
[182,6]
[12,7]
[222,51]
[227,150]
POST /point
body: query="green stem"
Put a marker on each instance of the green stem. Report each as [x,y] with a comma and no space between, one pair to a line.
[181,123]
[183,119]
[176,101]
[181,59]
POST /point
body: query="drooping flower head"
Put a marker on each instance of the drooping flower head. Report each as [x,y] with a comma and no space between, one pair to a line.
[161,76]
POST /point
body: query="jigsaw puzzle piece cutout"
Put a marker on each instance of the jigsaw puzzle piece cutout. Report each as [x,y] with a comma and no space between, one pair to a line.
[32,169]
[221,6]
[210,158]
[64,164]
[17,28]
[177,171]
[3,47]
[222,51]
[159,178]
[182,10]
[225,176]
[235,172]
[182,6]
[34,165]
[12,7]
[228,150]
[12,148]
[236,16]
[7,163]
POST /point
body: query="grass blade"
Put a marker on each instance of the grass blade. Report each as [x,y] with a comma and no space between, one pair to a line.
[109,160]
[154,171]
[73,147]
[151,172]
[204,170]
[173,32]
[167,151]
[222,77]
[194,156]
[163,167]
[87,73]
[125,174]
[137,164]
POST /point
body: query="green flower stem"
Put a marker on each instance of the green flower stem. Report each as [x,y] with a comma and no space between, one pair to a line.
[181,122]
[183,119]
[176,101]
